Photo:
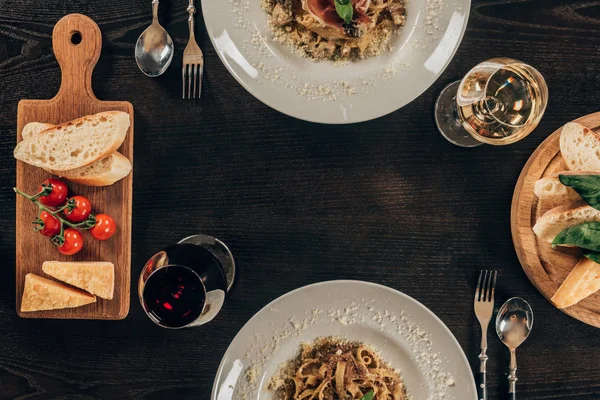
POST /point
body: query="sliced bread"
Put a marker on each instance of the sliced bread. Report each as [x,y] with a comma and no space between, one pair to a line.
[103,172]
[559,218]
[551,190]
[95,277]
[582,281]
[45,294]
[75,144]
[580,147]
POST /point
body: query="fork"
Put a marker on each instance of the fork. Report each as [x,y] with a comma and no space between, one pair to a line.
[193,61]
[484,308]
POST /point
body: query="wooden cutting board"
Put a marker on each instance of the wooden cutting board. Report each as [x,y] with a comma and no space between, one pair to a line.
[546,267]
[75,99]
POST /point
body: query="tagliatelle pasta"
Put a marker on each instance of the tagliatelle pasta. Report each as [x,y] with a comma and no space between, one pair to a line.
[322,35]
[335,369]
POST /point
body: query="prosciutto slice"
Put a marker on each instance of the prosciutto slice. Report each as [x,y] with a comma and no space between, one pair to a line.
[324,11]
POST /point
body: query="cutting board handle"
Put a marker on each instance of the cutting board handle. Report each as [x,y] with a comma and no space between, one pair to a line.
[77,43]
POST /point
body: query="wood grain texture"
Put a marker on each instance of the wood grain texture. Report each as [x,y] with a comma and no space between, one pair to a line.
[546,267]
[75,99]
[388,201]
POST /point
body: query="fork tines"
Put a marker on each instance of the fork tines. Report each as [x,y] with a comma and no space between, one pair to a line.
[191,75]
[486,285]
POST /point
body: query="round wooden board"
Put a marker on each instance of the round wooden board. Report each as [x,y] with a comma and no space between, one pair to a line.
[546,267]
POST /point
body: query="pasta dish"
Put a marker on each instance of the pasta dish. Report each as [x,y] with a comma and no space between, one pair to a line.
[334,369]
[336,29]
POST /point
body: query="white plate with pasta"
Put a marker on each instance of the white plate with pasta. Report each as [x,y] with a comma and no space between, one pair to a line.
[381,340]
[388,53]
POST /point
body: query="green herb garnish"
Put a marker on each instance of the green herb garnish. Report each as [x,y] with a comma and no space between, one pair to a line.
[345,10]
[368,396]
[587,186]
[586,236]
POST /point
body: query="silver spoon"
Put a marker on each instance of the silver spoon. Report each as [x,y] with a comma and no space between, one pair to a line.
[513,324]
[154,48]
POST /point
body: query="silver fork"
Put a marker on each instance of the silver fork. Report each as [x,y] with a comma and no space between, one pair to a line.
[484,308]
[193,61]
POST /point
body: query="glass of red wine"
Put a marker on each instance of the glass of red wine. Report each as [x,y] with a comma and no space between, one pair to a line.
[185,284]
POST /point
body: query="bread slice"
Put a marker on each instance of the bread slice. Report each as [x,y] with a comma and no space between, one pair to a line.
[559,218]
[580,147]
[33,128]
[103,172]
[552,190]
[44,294]
[75,144]
[95,277]
[582,281]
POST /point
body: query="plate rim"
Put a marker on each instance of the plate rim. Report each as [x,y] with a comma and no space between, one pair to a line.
[447,330]
[337,121]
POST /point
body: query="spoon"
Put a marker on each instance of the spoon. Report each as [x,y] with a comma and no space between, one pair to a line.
[154,47]
[513,324]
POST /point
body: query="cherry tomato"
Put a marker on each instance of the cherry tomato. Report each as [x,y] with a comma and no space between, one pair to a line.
[73,242]
[59,193]
[51,224]
[82,209]
[105,227]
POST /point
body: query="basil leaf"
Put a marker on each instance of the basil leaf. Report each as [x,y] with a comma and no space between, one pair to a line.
[368,396]
[345,10]
[588,187]
[592,255]
[586,236]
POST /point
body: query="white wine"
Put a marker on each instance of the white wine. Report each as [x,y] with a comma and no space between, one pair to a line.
[501,101]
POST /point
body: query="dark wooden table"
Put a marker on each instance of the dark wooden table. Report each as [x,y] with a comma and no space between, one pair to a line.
[388,201]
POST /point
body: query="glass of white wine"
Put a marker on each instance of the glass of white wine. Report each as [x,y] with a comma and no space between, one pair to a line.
[498,102]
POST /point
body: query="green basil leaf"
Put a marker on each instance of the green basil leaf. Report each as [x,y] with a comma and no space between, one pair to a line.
[592,255]
[586,236]
[345,10]
[588,187]
[368,396]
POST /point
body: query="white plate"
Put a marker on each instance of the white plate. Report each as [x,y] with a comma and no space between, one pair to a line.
[321,91]
[407,334]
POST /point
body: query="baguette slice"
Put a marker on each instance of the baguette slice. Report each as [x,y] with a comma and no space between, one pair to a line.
[44,294]
[75,144]
[582,281]
[580,147]
[94,277]
[559,218]
[552,190]
[103,172]
[33,128]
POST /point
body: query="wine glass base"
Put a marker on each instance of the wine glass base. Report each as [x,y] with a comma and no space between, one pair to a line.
[219,250]
[447,121]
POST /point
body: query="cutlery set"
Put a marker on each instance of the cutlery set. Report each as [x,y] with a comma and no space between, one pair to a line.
[514,321]
[154,52]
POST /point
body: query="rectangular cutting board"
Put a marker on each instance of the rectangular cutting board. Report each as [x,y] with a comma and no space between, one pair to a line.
[75,99]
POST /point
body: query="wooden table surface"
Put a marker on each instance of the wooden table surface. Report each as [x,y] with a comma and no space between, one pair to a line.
[388,201]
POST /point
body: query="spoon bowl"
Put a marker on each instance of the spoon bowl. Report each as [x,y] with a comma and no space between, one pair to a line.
[154,48]
[513,325]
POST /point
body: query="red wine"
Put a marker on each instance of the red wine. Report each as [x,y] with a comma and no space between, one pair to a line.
[174,296]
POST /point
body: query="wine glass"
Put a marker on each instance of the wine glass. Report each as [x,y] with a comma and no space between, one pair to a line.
[185,284]
[500,101]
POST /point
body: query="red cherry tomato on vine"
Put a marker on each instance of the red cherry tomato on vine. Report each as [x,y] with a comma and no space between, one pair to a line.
[82,209]
[73,242]
[105,227]
[51,225]
[59,193]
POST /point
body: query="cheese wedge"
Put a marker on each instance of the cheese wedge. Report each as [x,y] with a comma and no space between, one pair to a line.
[582,281]
[44,294]
[96,277]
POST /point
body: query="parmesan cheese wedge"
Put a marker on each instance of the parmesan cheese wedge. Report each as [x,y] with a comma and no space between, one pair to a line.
[44,294]
[95,277]
[582,281]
